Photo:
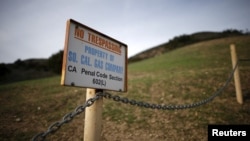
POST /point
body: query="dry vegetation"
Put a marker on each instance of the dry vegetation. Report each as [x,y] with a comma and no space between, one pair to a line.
[183,76]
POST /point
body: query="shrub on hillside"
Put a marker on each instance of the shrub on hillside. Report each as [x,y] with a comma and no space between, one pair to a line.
[55,62]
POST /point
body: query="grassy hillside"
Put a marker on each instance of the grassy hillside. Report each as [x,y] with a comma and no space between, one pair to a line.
[30,69]
[184,40]
[183,76]
[24,70]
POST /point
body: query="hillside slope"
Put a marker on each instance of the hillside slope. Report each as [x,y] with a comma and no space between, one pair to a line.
[24,70]
[28,69]
[183,76]
[36,68]
[183,40]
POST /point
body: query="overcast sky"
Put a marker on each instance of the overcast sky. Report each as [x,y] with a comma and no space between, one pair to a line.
[36,28]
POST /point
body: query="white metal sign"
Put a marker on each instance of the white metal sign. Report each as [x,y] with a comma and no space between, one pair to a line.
[93,60]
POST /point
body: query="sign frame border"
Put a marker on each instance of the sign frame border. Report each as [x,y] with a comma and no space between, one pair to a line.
[66,47]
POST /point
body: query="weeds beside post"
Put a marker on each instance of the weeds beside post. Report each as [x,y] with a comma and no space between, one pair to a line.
[236,75]
[93,118]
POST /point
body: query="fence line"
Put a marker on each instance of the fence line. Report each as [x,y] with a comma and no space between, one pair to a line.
[78,110]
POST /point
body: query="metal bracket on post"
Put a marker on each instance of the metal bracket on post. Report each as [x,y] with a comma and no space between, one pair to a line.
[93,117]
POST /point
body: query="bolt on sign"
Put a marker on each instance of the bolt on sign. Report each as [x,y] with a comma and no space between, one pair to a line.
[93,60]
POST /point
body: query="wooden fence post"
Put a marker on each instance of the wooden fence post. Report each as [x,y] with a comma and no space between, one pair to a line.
[236,75]
[93,118]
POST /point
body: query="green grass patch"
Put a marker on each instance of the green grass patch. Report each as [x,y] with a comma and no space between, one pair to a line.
[182,76]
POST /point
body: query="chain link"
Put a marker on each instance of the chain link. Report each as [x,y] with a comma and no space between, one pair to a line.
[66,119]
[69,117]
[170,107]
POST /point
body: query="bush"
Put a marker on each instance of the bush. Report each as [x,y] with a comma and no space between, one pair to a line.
[55,62]
[4,69]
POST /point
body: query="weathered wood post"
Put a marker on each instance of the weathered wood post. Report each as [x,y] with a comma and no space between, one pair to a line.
[236,75]
[93,118]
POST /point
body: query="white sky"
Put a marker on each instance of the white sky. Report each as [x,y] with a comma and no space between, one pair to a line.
[36,28]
